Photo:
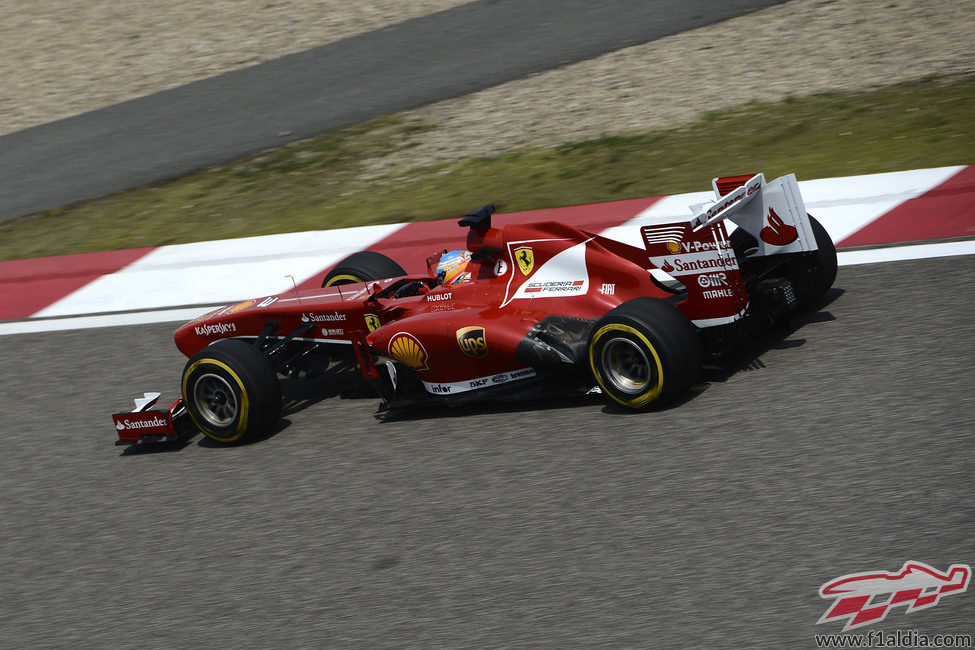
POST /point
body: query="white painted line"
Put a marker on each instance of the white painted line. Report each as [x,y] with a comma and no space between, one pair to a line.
[842,205]
[846,205]
[844,258]
[108,320]
[217,271]
[899,253]
[236,269]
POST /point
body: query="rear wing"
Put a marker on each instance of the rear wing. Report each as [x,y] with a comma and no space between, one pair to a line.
[773,213]
[698,252]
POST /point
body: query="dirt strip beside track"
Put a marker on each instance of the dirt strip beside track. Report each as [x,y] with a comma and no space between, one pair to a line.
[843,446]
[410,64]
[73,57]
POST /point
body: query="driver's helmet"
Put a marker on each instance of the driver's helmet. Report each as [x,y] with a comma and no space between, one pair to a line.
[452,267]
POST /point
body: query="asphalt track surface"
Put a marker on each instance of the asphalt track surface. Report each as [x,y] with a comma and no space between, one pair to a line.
[410,64]
[839,446]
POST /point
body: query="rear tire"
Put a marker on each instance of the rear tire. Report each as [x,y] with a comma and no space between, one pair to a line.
[364,266]
[824,277]
[231,391]
[644,352]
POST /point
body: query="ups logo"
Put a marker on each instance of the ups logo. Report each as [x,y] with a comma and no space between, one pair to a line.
[472,341]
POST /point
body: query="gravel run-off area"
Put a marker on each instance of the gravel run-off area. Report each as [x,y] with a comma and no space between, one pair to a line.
[63,57]
[71,57]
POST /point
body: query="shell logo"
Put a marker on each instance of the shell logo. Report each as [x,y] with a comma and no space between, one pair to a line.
[673,246]
[406,349]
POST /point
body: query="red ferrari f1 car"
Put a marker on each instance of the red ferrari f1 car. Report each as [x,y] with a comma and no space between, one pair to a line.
[525,309]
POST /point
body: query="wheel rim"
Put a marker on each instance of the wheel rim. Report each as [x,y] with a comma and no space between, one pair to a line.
[215,400]
[626,366]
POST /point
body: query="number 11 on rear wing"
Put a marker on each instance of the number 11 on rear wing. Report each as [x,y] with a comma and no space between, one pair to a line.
[698,252]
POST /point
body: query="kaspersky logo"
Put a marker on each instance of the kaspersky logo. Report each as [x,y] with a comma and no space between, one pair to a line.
[866,598]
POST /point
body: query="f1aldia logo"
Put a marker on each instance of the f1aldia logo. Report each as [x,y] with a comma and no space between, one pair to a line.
[865,598]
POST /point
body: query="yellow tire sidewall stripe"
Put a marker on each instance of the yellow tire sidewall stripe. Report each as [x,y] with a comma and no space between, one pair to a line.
[644,398]
[244,403]
[351,278]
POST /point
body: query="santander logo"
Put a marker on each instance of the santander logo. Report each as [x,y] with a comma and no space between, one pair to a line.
[126,424]
[778,232]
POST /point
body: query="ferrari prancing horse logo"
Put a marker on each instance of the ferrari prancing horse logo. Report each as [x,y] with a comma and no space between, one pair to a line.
[372,322]
[525,258]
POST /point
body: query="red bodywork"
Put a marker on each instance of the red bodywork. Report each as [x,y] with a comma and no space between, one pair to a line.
[463,336]
[488,330]
[530,299]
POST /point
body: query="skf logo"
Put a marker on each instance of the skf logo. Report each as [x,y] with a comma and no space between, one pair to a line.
[525,257]
[372,322]
[916,585]
[406,349]
[472,341]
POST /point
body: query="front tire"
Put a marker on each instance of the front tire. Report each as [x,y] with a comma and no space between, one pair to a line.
[364,266]
[231,391]
[644,353]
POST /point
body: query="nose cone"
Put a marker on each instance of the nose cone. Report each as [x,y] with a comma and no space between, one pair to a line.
[197,334]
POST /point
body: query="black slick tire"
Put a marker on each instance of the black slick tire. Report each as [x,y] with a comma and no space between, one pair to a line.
[826,274]
[364,266]
[231,392]
[644,353]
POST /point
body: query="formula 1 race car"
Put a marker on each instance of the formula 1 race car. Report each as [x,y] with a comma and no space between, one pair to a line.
[525,309]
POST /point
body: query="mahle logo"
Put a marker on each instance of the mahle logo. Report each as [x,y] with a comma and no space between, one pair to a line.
[472,341]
